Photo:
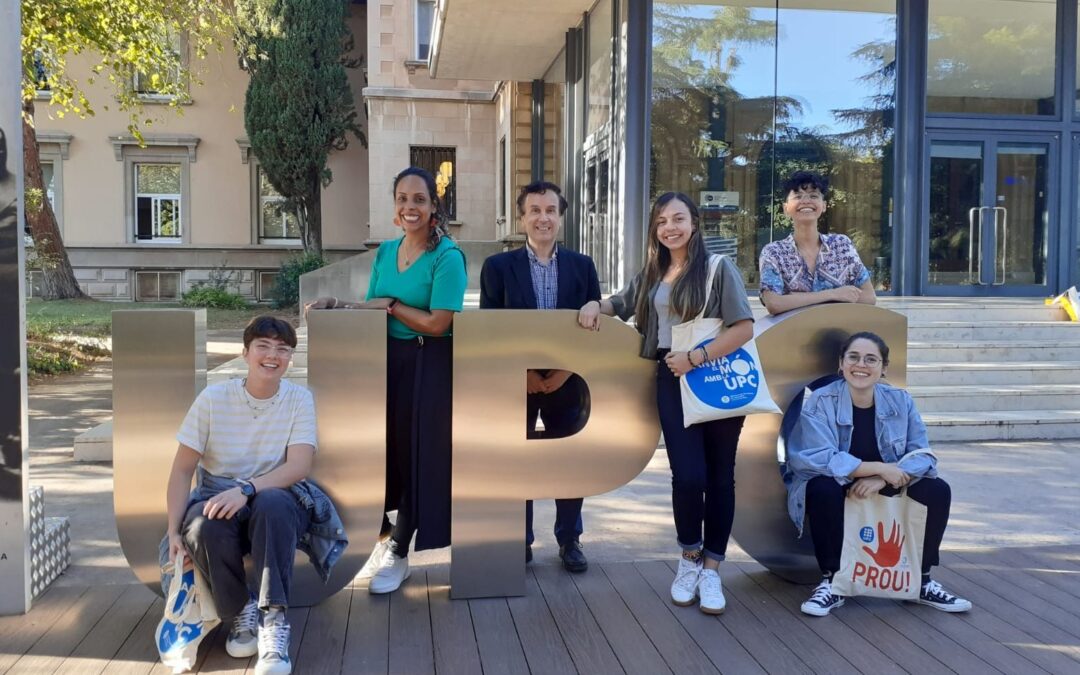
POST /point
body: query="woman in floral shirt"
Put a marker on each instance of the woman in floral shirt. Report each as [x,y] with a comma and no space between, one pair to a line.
[808,268]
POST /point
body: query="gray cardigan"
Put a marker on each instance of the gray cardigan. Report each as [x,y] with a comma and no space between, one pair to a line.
[727,301]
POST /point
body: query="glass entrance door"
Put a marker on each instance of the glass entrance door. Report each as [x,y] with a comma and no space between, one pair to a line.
[990,211]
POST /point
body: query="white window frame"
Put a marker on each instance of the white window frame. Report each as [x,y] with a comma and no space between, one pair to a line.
[257,202]
[157,199]
[180,48]
[163,150]
[416,32]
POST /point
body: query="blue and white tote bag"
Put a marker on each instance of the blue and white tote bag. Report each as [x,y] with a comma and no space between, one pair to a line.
[730,386]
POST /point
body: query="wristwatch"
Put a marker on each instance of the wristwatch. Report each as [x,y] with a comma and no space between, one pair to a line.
[247,488]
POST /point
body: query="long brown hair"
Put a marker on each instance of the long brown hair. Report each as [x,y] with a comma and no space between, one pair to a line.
[688,290]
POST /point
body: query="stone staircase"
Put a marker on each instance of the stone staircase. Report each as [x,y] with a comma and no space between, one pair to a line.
[992,369]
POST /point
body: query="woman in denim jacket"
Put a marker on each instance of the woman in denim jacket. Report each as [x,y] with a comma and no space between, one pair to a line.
[856,437]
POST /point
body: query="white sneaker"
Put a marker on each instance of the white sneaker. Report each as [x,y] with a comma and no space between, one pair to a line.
[374,560]
[822,601]
[243,640]
[710,592]
[684,588]
[273,645]
[392,572]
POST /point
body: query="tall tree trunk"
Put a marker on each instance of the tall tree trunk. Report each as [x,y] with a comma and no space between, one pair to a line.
[59,279]
[313,231]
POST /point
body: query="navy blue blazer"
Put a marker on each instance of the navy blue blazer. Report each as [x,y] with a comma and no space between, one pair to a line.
[506,281]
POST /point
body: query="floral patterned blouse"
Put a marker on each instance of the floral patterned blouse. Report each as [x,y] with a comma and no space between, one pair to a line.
[784,271]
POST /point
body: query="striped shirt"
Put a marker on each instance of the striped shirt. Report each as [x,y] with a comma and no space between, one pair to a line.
[222,427]
[545,278]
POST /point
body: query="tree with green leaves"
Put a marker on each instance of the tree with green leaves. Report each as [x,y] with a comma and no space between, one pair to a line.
[118,40]
[299,106]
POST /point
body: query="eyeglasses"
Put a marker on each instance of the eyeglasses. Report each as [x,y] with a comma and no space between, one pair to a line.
[869,360]
[263,349]
[806,196]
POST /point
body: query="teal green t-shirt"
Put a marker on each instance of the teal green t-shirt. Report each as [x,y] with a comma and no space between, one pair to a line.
[436,280]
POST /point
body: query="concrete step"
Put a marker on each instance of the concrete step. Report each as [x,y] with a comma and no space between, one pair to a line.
[971,351]
[989,398]
[960,309]
[952,373]
[1060,332]
[1003,425]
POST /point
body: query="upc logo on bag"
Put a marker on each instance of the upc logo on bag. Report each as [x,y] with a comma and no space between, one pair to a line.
[729,382]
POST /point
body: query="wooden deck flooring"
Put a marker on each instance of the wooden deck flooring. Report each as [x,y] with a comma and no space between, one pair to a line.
[614,619]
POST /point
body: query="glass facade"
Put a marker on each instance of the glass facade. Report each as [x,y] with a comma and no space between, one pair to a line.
[745,95]
[991,57]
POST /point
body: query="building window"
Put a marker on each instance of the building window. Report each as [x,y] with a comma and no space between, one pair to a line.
[425,16]
[277,224]
[48,176]
[266,286]
[157,286]
[41,74]
[441,163]
[150,85]
[157,202]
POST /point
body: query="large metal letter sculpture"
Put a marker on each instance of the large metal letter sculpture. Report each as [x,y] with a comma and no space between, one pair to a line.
[159,366]
[796,348]
[496,469]
[14,458]
[347,375]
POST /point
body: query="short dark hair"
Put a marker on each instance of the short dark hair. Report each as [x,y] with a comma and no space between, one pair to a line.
[539,187]
[801,180]
[267,326]
[872,337]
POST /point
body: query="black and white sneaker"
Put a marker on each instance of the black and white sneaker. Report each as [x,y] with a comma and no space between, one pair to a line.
[822,601]
[935,596]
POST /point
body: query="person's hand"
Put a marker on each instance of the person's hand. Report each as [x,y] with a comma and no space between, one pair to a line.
[679,363]
[534,383]
[555,380]
[894,476]
[589,315]
[320,303]
[176,546]
[376,303]
[845,294]
[866,487]
[225,504]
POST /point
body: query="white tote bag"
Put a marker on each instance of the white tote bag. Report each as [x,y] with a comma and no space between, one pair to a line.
[189,615]
[729,386]
[882,554]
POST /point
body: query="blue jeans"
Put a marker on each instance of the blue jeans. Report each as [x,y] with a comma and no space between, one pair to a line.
[560,412]
[702,459]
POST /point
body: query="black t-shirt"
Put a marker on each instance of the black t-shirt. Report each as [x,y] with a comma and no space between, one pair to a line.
[863,435]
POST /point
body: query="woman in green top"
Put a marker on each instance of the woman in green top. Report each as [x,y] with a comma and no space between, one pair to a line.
[420,281]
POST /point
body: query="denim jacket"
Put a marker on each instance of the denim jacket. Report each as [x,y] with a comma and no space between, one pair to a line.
[821,442]
[324,542]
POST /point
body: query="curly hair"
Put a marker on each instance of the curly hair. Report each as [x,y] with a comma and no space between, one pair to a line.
[439,221]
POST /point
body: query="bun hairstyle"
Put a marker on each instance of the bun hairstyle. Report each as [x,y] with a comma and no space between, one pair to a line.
[439,225]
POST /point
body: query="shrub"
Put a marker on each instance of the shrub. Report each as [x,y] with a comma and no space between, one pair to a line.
[286,290]
[210,296]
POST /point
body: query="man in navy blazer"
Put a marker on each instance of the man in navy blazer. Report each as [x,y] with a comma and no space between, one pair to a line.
[544,275]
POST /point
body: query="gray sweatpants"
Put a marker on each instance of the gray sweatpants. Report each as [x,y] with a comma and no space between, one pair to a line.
[268,528]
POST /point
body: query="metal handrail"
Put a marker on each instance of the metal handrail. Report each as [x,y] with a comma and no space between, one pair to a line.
[1002,243]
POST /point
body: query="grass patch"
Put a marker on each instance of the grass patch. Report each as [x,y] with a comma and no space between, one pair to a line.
[53,355]
[93,318]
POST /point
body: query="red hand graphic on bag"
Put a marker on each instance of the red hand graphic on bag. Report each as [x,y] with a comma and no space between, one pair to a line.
[888,553]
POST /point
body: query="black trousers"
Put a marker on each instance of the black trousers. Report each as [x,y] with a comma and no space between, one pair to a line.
[825,517]
[702,458]
[561,413]
[418,440]
[268,528]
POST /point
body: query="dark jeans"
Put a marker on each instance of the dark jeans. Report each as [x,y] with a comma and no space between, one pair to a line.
[825,516]
[268,528]
[702,459]
[560,412]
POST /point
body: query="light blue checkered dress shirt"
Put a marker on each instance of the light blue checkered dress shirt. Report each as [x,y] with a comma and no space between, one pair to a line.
[545,278]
